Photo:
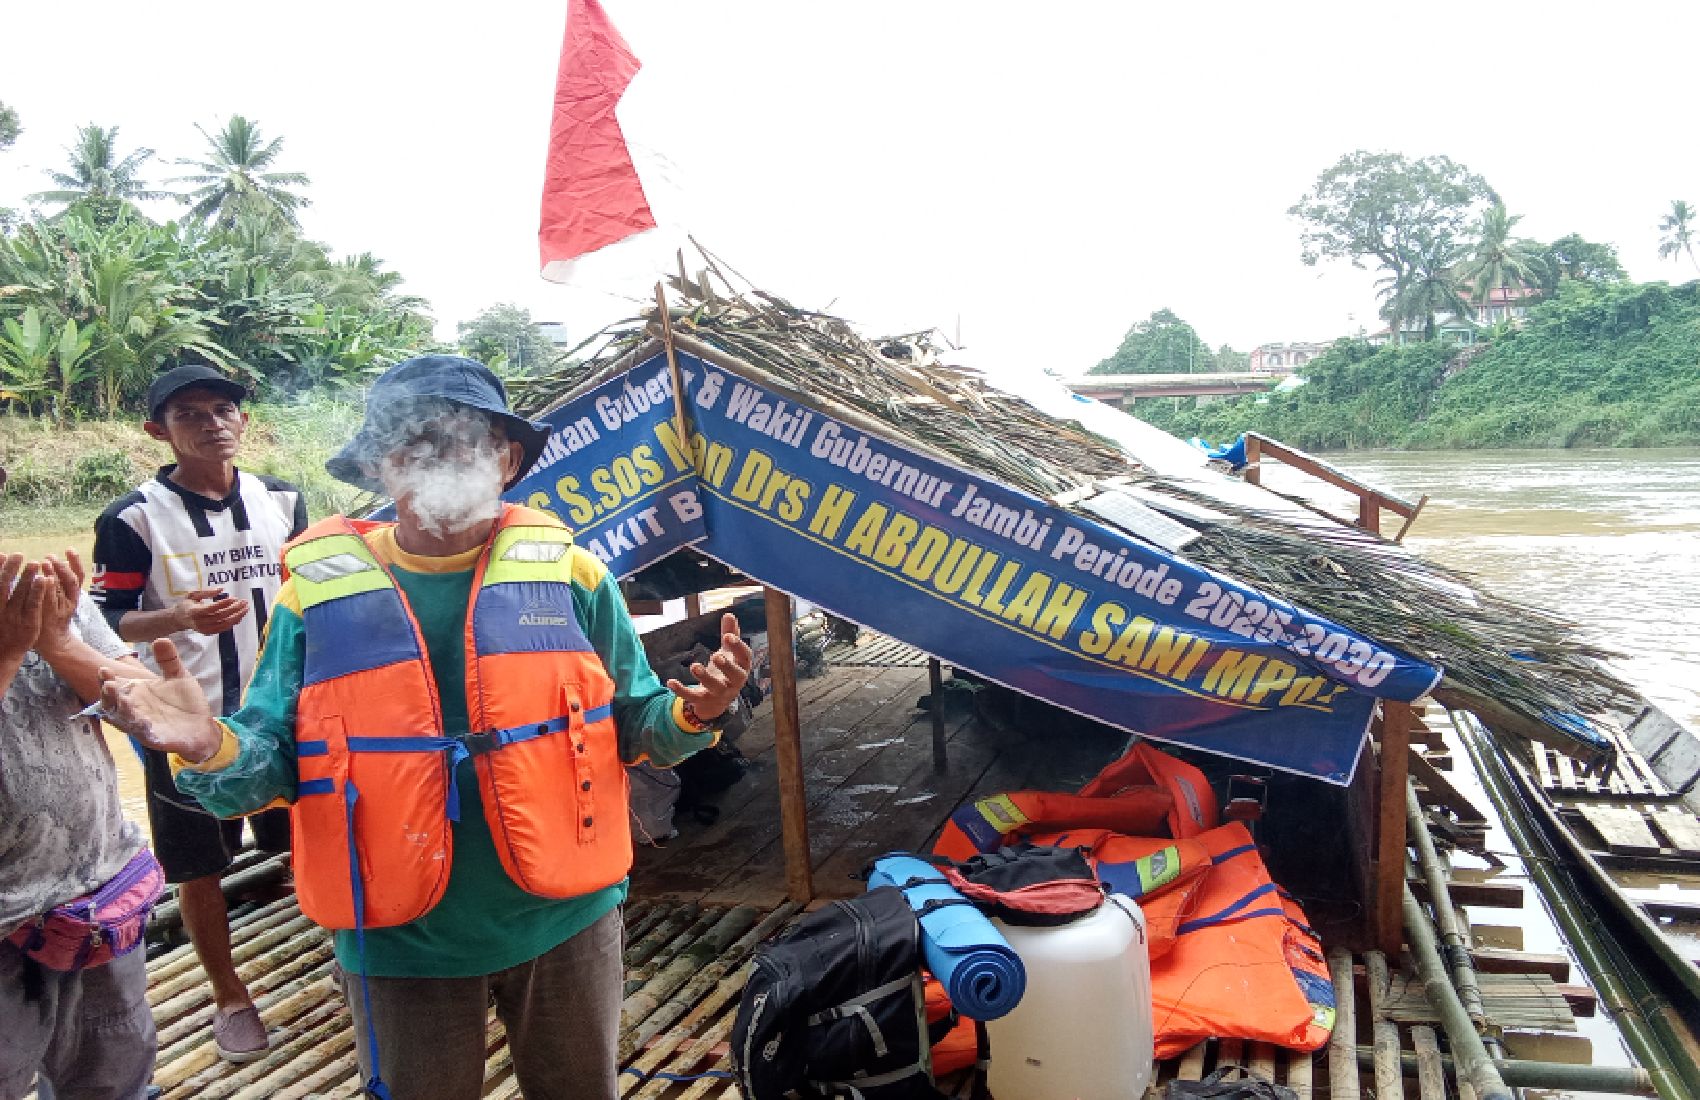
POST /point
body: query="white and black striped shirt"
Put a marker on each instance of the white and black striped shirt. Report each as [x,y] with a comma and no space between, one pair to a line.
[155,545]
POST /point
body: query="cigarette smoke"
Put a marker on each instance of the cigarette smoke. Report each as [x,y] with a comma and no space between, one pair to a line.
[441,462]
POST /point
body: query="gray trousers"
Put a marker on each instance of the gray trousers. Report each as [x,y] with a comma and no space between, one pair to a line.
[89,1034]
[561,1012]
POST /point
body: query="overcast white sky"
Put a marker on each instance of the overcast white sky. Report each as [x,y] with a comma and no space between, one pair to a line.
[1041,175]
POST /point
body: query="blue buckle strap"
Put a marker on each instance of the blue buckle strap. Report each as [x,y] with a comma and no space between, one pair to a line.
[1232,912]
[375,1084]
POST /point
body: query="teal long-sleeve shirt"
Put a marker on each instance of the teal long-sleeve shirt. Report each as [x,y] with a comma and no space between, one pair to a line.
[485,922]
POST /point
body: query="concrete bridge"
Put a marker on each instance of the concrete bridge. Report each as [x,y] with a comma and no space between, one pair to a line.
[1122,390]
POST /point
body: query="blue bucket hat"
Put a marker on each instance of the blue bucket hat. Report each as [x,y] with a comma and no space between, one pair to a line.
[405,395]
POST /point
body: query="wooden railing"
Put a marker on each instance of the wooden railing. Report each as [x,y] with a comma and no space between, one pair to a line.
[1371,500]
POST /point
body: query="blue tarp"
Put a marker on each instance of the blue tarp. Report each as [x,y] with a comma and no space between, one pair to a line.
[977,574]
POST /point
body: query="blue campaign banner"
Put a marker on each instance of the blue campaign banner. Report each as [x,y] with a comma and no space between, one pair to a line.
[981,576]
[614,472]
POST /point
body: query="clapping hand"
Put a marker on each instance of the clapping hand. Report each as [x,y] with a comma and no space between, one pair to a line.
[23,598]
[59,602]
[722,678]
[169,714]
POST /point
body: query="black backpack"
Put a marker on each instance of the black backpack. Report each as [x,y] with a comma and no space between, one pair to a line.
[834,1008]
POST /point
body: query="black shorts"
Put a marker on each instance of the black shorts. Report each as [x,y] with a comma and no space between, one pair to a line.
[190,842]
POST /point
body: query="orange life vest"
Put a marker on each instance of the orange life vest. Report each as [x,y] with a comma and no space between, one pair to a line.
[376,793]
[1193,806]
[1000,819]
[1244,964]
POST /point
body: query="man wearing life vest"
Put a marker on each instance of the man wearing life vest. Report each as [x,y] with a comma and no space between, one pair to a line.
[447,701]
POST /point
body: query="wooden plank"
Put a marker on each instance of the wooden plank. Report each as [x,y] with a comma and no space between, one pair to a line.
[1431,1075]
[1191,1067]
[1623,830]
[788,747]
[1442,792]
[1390,834]
[1582,999]
[1566,772]
[1486,895]
[935,707]
[1492,960]
[1543,768]
[1681,828]
[1262,1061]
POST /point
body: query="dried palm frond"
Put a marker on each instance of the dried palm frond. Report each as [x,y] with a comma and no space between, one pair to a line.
[1525,663]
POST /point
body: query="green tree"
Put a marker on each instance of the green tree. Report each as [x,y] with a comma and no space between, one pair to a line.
[504,337]
[1427,287]
[1571,257]
[238,174]
[1160,344]
[97,171]
[1408,218]
[1678,229]
[9,127]
[1499,260]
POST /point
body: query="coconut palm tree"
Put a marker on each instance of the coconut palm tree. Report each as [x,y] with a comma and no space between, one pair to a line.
[238,175]
[1500,261]
[98,172]
[1427,287]
[1678,229]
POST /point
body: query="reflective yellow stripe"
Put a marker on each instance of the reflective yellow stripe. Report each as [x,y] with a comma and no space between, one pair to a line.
[346,581]
[526,553]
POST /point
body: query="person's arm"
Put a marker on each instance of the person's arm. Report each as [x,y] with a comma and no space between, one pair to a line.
[77,654]
[236,765]
[122,560]
[652,721]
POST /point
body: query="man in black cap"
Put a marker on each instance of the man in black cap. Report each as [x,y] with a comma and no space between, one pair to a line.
[448,701]
[194,554]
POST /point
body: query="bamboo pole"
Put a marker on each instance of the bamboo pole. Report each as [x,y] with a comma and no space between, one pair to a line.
[1454,943]
[788,749]
[681,423]
[1342,1067]
[1431,1075]
[1646,1020]
[1390,835]
[1474,1064]
[1385,1032]
[1562,1076]
[638,1007]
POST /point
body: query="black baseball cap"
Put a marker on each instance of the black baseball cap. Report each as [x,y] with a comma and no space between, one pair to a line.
[189,375]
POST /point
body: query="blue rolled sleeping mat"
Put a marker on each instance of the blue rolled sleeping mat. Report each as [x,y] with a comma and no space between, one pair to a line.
[970,958]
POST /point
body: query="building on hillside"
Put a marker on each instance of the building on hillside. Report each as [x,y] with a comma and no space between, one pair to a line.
[1283,358]
[1448,329]
[1505,303]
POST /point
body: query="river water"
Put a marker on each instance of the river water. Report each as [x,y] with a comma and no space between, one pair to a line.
[1607,539]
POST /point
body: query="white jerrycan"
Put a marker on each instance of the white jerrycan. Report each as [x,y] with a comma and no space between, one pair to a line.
[1083,1028]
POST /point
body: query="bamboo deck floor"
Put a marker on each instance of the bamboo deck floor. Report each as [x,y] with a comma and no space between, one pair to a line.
[871,787]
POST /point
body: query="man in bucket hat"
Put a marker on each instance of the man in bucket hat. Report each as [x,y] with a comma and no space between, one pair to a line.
[448,701]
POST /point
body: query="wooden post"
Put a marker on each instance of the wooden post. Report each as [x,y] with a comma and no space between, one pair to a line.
[693,605]
[1253,459]
[1369,514]
[1390,831]
[935,704]
[788,748]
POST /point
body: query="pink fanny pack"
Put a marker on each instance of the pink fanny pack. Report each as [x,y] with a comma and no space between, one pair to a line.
[96,928]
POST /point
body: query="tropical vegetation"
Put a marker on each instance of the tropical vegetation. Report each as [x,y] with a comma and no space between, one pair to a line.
[96,297]
[1599,363]
[1165,344]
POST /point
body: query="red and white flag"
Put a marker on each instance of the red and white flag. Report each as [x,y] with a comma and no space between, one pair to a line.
[592,196]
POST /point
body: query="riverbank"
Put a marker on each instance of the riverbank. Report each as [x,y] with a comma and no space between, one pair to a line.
[1599,365]
[60,477]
